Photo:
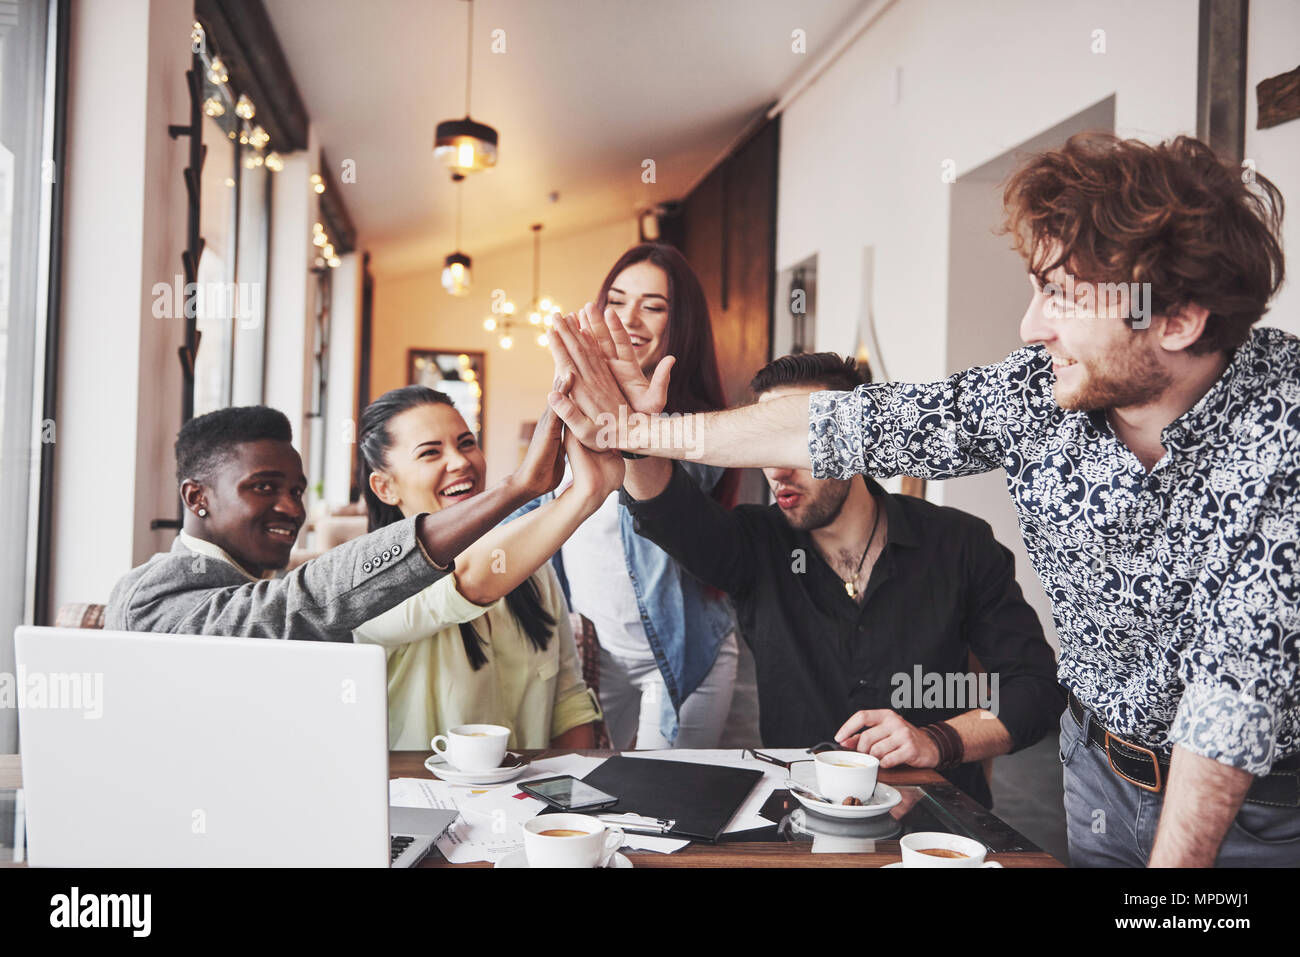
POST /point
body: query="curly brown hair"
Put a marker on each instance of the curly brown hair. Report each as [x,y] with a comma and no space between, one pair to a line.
[1173,215]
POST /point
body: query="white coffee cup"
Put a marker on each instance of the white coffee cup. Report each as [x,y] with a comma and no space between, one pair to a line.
[597,843]
[843,774]
[472,747]
[913,844]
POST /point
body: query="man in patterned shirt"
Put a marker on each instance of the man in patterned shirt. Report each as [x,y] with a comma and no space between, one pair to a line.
[1149,438]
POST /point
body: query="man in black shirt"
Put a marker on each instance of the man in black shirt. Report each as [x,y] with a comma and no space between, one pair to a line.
[863,608]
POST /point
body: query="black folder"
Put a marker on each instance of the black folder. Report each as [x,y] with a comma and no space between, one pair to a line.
[701,798]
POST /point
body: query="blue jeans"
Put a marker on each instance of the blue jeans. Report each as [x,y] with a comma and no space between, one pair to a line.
[1112,823]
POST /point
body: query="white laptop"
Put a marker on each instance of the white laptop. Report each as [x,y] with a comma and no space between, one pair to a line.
[167,751]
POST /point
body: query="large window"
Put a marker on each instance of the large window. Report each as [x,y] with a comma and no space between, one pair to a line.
[27,177]
[234,213]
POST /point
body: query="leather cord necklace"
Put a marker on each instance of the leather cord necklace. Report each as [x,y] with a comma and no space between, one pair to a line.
[851,586]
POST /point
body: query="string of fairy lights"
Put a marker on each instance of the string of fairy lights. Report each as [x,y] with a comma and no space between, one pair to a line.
[236,116]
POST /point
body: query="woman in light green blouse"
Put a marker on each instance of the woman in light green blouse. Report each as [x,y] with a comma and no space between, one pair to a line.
[491,642]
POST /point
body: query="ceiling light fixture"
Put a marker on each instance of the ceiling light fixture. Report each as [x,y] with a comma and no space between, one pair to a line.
[465,145]
[541,310]
[456,267]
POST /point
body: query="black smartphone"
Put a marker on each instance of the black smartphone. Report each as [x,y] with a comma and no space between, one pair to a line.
[568,793]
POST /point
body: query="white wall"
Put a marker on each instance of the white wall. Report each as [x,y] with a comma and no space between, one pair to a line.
[291,294]
[119,378]
[413,312]
[858,170]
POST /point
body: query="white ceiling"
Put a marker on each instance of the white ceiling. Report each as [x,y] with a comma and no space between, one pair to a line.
[586,90]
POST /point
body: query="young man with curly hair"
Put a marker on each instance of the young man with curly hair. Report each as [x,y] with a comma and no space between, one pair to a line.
[1149,437]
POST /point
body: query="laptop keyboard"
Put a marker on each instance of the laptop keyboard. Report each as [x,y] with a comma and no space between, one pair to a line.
[407,851]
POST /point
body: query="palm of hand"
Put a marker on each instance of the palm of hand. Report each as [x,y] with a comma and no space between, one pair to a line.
[635,386]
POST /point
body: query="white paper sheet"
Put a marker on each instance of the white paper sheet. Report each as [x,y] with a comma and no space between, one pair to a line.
[649,842]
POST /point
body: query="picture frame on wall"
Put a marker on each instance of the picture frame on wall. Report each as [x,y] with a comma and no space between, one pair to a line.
[460,373]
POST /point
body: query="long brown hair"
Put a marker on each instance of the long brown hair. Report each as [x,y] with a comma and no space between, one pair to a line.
[696,383]
[1174,215]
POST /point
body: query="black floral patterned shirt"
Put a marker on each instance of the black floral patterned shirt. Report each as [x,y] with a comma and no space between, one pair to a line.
[1176,593]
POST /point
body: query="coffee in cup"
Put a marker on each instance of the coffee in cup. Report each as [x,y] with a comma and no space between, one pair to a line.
[570,840]
[846,774]
[473,747]
[935,849]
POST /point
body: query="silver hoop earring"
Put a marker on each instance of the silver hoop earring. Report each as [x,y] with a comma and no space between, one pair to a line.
[203,513]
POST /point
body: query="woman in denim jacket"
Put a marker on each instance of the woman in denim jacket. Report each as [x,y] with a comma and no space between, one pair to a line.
[668,644]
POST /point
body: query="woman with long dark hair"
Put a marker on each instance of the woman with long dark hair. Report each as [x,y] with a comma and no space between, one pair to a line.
[490,643]
[668,644]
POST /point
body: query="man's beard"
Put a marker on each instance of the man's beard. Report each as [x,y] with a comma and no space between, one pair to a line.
[820,512]
[1122,378]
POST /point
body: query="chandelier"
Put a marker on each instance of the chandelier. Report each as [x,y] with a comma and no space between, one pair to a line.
[541,309]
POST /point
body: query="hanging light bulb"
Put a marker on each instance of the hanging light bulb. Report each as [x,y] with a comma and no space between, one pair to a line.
[274,162]
[490,324]
[465,145]
[259,138]
[334,262]
[507,342]
[214,107]
[456,267]
[541,340]
[317,183]
[456,274]
[244,108]
[217,72]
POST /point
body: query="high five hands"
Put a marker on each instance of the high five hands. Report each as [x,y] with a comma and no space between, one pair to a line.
[607,379]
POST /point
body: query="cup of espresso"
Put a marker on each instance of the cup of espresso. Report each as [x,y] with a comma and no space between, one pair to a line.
[472,747]
[570,840]
[936,849]
[844,774]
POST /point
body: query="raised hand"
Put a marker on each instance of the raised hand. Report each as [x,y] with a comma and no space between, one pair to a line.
[644,395]
[596,402]
[543,464]
[595,474]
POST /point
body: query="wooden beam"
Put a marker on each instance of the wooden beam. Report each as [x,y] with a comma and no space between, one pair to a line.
[1221,77]
[241,31]
[334,212]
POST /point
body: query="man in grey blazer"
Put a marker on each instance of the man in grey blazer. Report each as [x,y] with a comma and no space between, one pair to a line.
[242,482]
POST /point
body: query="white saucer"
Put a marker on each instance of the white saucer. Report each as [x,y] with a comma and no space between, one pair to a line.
[520,859]
[900,864]
[452,776]
[882,801]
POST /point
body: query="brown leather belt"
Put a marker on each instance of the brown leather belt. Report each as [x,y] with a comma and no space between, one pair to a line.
[1149,770]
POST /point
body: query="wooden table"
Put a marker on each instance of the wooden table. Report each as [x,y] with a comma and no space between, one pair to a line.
[777,853]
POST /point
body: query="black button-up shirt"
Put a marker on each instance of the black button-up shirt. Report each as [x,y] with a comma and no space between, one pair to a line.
[941,589]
